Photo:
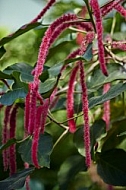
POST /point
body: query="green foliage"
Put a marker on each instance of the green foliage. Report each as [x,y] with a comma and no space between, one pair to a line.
[2,51]
[69,169]
[44,150]
[19,32]
[61,155]
[9,143]
[111,166]
[16,181]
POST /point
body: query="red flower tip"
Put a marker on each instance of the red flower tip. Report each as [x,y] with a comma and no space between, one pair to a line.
[70,100]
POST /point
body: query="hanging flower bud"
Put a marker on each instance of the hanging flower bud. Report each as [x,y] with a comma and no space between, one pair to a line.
[70,100]
[99,30]
[12,152]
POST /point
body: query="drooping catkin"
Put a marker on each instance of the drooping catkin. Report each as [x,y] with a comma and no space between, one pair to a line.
[85,114]
[106,107]
[70,100]
[109,7]
[34,149]
[12,151]
[5,136]
[44,10]
[99,29]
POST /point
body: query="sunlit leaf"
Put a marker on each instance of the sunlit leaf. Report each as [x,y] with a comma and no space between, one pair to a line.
[19,32]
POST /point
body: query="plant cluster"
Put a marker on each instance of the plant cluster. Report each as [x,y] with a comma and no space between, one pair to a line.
[86,85]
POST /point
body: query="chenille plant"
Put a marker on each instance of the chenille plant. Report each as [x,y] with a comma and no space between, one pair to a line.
[63,119]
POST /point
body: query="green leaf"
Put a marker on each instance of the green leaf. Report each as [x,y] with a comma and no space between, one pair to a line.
[119,35]
[69,169]
[44,150]
[46,88]
[88,54]
[55,70]
[5,76]
[17,81]
[112,139]
[45,74]
[47,85]
[96,131]
[112,93]
[19,32]
[16,181]
[57,48]
[2,51]
[12,95]
[112,167]
[78,140]
[19,90]
[9,143]
[98,79]
[22,68]
[122,134]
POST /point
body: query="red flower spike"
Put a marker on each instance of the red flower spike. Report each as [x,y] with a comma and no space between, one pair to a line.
[119,45]
[46,42]
[70,100]
[85,114]
[5,136]
[108,7]
[27,183]
[40,125]
[27,108]
[99,29]
[39,97]
[39,16]
[61,28]
[121,10]
[73,54]
[106,107]
[51,34]
[88,39]
[12,153]
[36,137]
[32,110]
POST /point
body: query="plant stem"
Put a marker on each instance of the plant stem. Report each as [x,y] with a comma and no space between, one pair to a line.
[59,139]
[90,13]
